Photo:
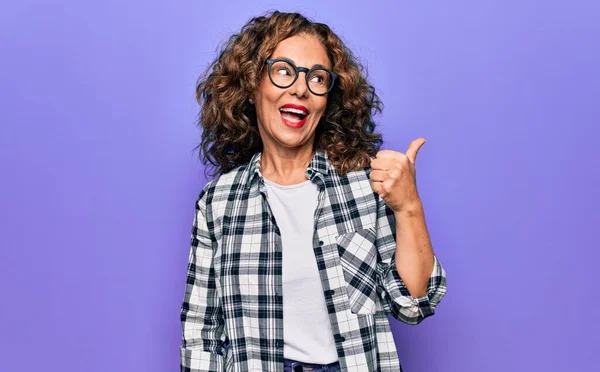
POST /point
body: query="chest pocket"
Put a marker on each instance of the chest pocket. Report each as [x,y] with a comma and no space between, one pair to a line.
[358,255]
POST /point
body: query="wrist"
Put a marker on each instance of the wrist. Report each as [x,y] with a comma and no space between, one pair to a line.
[413,209]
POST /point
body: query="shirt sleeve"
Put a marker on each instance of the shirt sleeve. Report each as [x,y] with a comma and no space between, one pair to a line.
[201,313]
[395,297]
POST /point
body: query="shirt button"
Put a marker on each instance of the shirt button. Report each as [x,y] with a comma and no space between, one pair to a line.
[340,338]
[329,292]
[320,242]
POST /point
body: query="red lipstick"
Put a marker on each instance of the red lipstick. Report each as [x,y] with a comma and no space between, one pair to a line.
[296,109]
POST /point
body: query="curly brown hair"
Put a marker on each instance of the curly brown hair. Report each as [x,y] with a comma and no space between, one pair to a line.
[230,134]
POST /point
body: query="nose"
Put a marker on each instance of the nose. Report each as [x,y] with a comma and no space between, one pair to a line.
[300,89]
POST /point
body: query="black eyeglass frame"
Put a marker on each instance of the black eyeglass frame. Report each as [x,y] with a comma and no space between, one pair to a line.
[307,71]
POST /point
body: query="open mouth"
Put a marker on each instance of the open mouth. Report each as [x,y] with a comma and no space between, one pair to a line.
[294,115]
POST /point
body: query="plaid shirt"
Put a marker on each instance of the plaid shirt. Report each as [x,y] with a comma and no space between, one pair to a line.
[232,314]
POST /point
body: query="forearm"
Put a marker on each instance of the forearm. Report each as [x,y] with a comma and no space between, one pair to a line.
[414,253]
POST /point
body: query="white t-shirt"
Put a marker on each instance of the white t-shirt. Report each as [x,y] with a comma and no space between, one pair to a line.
[306,328]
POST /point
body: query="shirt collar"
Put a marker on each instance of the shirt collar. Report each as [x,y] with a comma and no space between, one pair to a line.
[318,167]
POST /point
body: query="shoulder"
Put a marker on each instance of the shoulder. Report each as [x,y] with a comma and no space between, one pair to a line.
[356,175]
[220,188]
[357,182]
[354,184]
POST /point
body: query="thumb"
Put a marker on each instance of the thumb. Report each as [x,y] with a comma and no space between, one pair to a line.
[413,149]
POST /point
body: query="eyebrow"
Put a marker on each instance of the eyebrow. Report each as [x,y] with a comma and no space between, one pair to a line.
[318,65]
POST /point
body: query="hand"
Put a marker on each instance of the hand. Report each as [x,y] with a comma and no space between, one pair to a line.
[393,177]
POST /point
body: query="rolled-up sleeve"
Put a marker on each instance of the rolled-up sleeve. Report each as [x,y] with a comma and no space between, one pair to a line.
[201,314]
[395,297]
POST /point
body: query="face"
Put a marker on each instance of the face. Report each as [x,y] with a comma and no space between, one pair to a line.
[280,122]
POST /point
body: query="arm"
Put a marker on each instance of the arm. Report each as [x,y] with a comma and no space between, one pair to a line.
[399,244]
[402,239]
[201,314]
[414,254]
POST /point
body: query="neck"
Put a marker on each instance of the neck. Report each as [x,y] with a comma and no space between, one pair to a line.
[285,166]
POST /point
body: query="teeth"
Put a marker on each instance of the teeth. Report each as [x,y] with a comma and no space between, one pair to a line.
[293,111]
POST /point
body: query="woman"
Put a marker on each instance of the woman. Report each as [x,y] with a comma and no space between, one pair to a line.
[300,244]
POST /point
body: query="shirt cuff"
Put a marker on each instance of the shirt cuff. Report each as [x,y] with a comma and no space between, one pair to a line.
[198,360]
[402,305]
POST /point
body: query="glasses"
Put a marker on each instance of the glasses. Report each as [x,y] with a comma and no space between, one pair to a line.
[283,74]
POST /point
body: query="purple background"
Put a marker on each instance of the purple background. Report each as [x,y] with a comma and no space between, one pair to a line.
[99,178]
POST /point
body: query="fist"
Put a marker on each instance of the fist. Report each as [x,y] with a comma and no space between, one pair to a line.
[393,177]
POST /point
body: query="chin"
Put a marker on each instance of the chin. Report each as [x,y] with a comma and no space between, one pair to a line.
[289,143]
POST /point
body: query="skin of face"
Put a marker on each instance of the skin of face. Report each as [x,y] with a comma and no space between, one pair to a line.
[277,137]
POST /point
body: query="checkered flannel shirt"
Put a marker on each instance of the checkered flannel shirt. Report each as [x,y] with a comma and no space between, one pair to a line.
[232,314]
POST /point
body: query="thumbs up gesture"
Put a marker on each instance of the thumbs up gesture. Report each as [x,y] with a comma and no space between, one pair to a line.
[393,177]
